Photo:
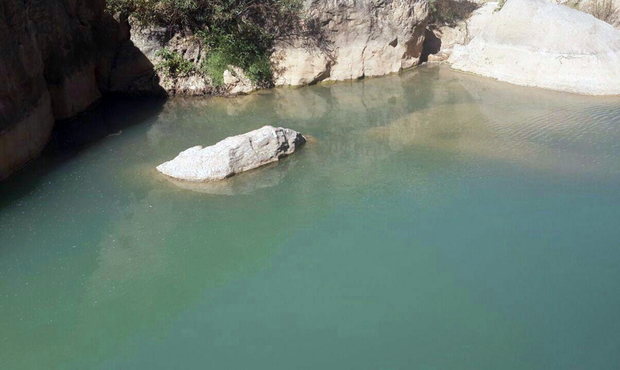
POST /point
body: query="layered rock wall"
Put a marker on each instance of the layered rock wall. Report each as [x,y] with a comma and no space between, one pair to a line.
[50,69]
[59,57]
[363,38]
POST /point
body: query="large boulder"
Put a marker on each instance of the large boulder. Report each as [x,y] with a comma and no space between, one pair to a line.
[233,155]
[363,38]
[536,43]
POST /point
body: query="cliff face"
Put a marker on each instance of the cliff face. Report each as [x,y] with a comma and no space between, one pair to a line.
[50,69]
[565,49]
[58,57]
[364,38]
[26,115]
[65,39]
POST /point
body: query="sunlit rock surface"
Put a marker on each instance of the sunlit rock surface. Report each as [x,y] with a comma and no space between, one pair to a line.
[233,155]
[364,38]
[237,82]
[536,43]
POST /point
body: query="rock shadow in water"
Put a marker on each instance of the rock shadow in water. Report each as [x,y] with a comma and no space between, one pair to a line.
[475,116]
[71,138]
[259,178]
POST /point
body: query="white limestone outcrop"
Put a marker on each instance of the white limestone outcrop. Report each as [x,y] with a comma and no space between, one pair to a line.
[233,155]
[540,44]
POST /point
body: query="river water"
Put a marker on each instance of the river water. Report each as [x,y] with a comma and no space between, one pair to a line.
[435,220]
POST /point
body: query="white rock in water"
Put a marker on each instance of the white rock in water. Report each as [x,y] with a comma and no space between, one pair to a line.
[233,155]
[536,43]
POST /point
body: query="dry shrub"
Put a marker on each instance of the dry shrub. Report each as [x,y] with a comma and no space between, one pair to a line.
[450,12]
[605,10]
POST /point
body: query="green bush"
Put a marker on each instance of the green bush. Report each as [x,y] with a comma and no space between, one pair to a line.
[236,32]
[214,66]
[249,53]
[174,65]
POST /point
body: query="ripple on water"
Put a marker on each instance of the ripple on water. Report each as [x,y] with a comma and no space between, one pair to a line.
[465,220]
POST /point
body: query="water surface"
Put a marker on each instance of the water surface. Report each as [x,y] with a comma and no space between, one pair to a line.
[435,220]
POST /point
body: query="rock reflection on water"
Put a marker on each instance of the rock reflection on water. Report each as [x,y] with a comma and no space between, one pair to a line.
[259,178]
[366,123]
[494,120]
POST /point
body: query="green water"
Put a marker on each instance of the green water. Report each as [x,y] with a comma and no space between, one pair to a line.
[435,220]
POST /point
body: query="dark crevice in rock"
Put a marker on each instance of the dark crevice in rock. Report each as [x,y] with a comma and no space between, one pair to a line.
[431,45]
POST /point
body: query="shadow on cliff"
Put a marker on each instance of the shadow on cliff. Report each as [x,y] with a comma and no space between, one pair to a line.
[71,138]
[53,91]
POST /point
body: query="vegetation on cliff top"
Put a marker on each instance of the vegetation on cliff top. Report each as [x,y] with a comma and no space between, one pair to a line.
[450,12]
[237,32]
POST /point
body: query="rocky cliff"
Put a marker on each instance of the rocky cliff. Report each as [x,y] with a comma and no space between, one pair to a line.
[53,66]
[364,38]
[59,57]
[357,39]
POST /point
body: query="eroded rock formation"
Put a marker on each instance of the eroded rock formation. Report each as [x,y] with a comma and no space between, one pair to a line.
[563,49]
[364,38]
[60,57]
